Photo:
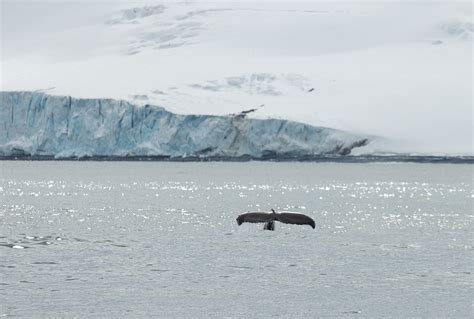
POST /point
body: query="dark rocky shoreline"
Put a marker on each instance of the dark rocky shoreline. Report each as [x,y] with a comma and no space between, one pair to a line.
[315,159]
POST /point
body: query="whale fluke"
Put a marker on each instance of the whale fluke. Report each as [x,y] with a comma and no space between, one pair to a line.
[295,218]
[270,218]
[255,217]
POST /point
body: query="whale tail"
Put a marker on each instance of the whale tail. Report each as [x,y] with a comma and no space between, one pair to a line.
[269,219]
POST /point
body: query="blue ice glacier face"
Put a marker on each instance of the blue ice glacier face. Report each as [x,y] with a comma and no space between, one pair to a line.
[34,123]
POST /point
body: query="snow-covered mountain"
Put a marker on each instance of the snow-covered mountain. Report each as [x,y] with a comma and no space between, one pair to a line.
[59,126]
[399,70]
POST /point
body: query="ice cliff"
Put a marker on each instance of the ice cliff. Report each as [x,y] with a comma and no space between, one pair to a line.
[34,123]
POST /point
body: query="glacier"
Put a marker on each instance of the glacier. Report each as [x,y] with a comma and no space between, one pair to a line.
[38,124]
[347,65]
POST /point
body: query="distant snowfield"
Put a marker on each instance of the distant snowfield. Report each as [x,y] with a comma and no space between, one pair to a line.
[402,72]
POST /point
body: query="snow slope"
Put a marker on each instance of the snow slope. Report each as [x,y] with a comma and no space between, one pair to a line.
[40,124]
[402,71]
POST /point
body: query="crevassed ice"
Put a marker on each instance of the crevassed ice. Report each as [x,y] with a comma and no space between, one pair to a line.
[34,123]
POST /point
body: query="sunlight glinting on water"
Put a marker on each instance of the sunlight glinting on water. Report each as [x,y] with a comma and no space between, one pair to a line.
[168,231]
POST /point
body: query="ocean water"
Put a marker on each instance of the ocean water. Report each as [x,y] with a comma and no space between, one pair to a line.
[142,239]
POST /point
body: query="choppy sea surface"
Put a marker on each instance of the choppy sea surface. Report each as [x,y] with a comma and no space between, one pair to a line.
[142,239]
